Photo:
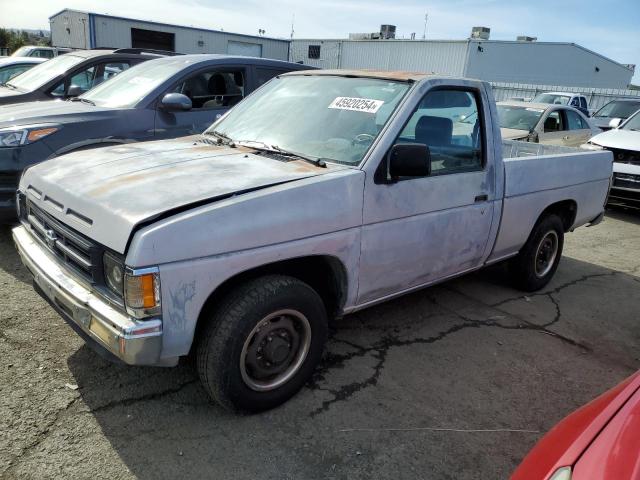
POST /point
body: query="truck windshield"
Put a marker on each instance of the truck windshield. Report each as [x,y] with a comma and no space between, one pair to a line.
[43,73]
[551,98]
[518,118]
[318,116]
[126,89]
[617,109]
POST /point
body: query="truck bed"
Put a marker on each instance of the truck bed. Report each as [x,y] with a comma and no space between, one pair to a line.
[536,176]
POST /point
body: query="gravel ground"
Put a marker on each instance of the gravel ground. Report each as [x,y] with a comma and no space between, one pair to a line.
[400,389]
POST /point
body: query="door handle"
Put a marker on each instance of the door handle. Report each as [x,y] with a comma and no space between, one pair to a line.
[481,198]
[566,137]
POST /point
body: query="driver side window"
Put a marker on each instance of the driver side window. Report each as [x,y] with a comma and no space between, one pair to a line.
[448,122]
[217,88]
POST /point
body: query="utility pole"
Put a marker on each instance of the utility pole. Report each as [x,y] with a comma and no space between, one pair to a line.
[424,34]
[293,19]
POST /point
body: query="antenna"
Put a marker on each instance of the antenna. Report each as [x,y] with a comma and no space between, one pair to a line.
[424,34]
[293,19]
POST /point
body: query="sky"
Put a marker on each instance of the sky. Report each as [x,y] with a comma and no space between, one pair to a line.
[611,28]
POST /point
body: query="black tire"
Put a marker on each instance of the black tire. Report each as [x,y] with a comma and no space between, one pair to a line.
[522,268]
[234,321]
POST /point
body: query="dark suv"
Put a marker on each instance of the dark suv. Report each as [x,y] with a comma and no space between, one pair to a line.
[70,75]
[164,98]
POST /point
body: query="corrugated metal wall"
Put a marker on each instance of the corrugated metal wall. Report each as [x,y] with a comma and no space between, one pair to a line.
[116,32]
[544,64]
[596,97]
[78,34]
[446,57]
[329,53]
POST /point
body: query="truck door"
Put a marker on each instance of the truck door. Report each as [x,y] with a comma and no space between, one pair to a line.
[419,230]
[213,91]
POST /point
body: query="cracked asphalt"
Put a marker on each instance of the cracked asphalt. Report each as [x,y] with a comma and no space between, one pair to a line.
[454,382]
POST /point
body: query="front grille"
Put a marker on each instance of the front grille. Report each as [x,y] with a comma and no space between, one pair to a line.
[73,249]
[626,180]
[8,180]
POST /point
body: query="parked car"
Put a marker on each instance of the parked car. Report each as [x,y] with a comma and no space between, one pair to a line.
[164,98]
[322,193]
[624,142]
[600,441]
[13,66]
[615,113]
[38,51]
[574,100]
[69,75]
[543,123]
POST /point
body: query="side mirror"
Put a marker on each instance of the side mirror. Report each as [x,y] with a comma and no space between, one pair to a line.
[176,102]
[74,91]
[408,160]
[615,122]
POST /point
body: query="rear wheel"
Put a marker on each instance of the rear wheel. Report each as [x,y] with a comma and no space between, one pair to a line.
[538,260]
[262,343]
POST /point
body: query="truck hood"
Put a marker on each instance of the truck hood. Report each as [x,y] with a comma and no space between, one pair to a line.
[50,111]
[618,139]
[105,193]
[513,133]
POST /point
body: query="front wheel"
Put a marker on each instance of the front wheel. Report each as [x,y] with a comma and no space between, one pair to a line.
[262,343]
[538,260]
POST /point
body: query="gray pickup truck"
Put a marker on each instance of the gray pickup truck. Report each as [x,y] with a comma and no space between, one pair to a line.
[322,193]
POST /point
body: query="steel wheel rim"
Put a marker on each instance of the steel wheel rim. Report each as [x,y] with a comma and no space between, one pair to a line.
[275,350]
[546,254]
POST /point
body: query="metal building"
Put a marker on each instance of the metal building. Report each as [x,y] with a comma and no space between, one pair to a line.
[530,62]
[77,29]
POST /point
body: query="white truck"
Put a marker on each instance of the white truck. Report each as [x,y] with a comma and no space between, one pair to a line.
[322,193]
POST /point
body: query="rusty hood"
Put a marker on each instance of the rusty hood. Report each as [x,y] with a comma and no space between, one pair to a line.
[105,193]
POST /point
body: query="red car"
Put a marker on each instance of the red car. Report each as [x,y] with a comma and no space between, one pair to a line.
[599,441]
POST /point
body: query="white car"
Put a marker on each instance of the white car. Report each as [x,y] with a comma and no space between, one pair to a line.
[574,100]
[624,142]
[38,51]
[547,124]
[13,66]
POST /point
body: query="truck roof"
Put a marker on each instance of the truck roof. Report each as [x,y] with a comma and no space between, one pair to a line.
[380,74]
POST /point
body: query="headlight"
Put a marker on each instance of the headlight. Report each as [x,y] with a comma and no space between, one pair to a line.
[142,292]
[113,273]
[591,146]
[563,473]
[17,136]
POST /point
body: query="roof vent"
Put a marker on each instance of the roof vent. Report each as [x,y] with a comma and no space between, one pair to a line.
[480,33]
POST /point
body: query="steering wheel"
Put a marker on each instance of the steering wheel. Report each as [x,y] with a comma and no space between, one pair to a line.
[362,138]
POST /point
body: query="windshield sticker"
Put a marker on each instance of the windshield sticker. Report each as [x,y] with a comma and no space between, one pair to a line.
[357,104]
[140,80]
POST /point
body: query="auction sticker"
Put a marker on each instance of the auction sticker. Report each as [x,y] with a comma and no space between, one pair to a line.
[357,104]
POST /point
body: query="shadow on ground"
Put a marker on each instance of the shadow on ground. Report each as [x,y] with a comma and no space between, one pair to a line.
[469,354]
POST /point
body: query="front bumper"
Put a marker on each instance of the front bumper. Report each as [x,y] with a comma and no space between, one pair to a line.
[123,337]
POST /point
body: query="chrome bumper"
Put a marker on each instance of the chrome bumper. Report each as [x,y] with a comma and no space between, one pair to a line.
[133,341]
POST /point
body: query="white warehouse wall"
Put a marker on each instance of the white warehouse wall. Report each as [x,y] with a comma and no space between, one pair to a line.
[544,64]
[78,34]
[446,57]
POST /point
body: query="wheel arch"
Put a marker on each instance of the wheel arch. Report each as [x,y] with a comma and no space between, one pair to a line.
[565,209]
[326,274]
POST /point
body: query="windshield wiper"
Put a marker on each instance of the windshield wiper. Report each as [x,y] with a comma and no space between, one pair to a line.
[223,138]
[83,100]
[318,162]
[9,85]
